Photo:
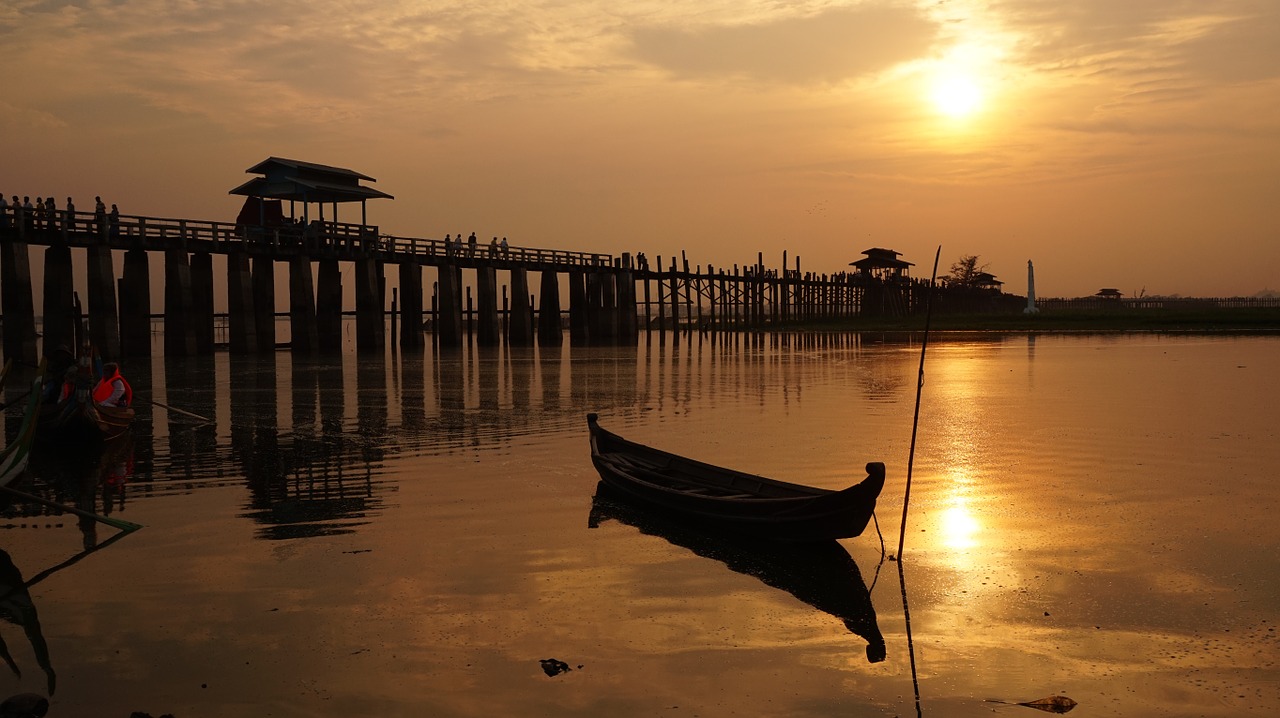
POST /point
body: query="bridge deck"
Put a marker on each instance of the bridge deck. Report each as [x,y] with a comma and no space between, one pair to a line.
[321,240]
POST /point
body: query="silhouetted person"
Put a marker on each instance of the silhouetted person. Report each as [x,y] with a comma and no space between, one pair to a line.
[99,215]
[4,213]
[471,245]
[51,214]
[69,220]
[60,360]
[114,220]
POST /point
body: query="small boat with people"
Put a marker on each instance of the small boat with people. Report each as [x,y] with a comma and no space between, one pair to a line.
[85,396]
[717,498]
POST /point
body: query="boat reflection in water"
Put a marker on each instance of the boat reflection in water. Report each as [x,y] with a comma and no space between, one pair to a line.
[91,478]
[821,574]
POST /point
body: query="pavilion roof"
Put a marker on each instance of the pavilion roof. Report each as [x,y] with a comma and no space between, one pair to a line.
[307,182]
[879,258]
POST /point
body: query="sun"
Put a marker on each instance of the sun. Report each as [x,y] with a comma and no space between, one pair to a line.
[955,96]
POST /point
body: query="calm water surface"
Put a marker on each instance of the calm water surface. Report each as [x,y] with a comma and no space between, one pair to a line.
[1090,516]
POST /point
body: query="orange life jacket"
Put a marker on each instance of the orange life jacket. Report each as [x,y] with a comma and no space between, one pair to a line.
[104,389]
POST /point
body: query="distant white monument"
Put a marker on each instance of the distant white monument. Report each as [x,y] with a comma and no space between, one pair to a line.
[1031,290]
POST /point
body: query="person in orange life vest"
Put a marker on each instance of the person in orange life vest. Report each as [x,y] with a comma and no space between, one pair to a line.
[113,390]
[68,388]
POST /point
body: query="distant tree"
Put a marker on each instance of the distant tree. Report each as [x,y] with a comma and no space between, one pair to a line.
[964,273]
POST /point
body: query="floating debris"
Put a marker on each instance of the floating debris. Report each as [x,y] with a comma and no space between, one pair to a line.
[553,667]
[1052,704]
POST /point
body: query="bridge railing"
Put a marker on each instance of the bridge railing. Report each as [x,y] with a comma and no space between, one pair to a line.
[523,255]
[157,232]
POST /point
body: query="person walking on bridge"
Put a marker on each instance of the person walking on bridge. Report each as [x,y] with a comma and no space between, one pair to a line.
[51,214]
[99,215]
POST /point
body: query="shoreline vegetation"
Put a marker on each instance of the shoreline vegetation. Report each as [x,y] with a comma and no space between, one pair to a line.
[1224,320]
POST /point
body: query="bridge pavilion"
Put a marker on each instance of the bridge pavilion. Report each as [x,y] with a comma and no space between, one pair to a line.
[305,182]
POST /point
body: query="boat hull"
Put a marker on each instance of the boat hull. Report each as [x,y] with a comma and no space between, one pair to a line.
[720,499]
[79,415]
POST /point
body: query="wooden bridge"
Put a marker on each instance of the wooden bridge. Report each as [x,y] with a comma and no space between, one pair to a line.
[604,304]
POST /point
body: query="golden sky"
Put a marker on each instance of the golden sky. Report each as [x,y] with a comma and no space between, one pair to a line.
[1117,143]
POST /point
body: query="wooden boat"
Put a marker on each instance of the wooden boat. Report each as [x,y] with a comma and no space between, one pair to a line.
[717,498]
[79,413]
[15,456]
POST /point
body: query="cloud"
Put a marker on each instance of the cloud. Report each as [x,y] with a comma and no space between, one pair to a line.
[1231,40]
[831,46]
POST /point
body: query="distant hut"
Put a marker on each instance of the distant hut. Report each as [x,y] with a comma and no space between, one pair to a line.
[1108,293]
[882,264]
[988,281]
[305,182]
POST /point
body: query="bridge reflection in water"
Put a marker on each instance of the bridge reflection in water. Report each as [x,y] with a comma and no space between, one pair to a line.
[312,438]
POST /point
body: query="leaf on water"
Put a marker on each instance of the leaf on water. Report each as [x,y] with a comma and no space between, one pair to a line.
[1052,704]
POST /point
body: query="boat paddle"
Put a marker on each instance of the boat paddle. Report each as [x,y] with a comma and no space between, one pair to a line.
[114,523]
[179,411]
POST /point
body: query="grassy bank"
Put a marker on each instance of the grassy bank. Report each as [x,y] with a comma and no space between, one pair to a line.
[1118,320]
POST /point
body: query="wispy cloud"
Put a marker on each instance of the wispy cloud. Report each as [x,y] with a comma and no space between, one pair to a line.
[835,44]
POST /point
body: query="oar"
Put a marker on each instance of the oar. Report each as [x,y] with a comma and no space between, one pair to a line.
[179,411]
[116,523]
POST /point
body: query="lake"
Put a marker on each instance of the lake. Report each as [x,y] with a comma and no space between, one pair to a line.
[1090,516]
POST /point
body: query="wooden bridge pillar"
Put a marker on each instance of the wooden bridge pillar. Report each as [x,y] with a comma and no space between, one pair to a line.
[628,332]
[489,333]
[302,305]
[520,328]
[16,303]
[104,321]
[608,308]
[370,305]
[594,304]
[179,332]
[264,303]
[135,304]
[202,301]
[449,306]
[578,334]
[329,306]
[241,325]
[549,332]
[410,305]
[59,323]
